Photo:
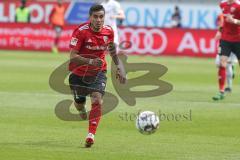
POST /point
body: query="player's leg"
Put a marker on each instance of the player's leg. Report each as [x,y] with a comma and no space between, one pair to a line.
[229,73]
[217,60]
[116,38]
[234,61]
[79,103]
[224,50]
[94,117]
[79,96]
[58,31]
[236,51]
[96,111]
[221,78]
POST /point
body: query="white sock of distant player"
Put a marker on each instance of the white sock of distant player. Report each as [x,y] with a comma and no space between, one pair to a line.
[229,75]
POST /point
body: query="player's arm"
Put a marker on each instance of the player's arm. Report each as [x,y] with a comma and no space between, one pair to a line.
[80,60]
[15,18]
[120,15]
[75,55]
[112,51]
[51,15]
[237,21]
[218,35]
[29,17]
[119,12]
[220,22]
[230,19]
[76,58]
[234,21]
[121,74]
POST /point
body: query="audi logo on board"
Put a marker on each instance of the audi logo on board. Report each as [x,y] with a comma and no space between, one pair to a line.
[143,40]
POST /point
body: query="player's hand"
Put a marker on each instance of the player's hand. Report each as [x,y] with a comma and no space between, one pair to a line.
[230,19]
[218,35]
[96,62]
[112,17]
[121,74]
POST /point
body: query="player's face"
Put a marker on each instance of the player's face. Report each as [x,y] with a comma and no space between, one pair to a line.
[23,4]
[97,20]
[59,1]
[231,1]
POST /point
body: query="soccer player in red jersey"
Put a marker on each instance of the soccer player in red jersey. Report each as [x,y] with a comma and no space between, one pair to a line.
[230,40]
[231,60]
[89,44]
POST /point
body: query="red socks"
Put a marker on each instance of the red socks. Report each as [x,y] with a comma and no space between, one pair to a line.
[94,118]
[56,41]
[221,78]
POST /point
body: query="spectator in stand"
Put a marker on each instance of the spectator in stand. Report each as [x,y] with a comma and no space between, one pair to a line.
[22,13]
[57,22]
[176,18]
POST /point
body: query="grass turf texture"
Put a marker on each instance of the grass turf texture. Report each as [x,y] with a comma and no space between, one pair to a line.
[29,129]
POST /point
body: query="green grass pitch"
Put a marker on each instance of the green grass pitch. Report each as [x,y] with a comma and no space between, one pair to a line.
[29,129]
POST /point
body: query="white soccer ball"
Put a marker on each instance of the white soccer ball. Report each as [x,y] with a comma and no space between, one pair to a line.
[147,122]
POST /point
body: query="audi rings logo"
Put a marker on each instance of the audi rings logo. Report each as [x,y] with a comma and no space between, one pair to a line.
[152,41]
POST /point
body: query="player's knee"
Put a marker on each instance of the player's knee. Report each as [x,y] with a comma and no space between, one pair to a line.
[223,63]
[80,100]
[96,98]
[97,101]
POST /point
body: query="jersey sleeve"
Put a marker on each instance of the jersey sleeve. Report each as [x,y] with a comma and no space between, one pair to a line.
[76,40]
[238,12]
[51,14]
[111,36]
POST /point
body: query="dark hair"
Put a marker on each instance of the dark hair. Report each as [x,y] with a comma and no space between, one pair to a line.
[23,2]
[96,8]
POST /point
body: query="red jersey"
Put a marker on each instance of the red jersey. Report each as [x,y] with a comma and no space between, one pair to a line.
[231,32]
[90,44]
[57,15]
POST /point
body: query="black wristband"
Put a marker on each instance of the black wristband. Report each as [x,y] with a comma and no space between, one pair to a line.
[220,29]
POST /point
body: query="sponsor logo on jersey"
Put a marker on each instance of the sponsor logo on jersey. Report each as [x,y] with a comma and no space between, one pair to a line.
[74,41]
[96,48]
[105,39]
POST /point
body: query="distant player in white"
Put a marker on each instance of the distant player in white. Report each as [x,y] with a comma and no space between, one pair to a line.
[113,11]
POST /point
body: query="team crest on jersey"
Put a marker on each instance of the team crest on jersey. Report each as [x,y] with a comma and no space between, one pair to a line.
[74,41]
[105,39]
